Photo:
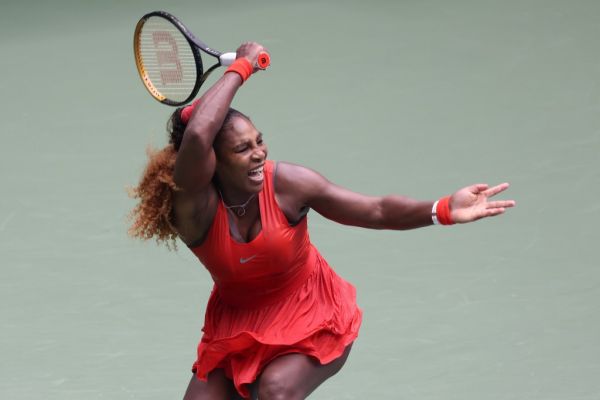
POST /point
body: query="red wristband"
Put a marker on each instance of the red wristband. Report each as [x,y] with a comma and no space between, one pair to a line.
[443,211]
[186,113]
[242,67]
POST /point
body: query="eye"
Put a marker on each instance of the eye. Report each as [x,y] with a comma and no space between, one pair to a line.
[241,149]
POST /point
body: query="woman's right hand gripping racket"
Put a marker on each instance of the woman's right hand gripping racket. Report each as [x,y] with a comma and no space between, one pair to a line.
[167,56]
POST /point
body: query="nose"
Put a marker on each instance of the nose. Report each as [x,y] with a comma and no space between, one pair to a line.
[258,154]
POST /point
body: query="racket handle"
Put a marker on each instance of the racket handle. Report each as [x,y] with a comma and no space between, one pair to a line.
[227,59]
[264,60]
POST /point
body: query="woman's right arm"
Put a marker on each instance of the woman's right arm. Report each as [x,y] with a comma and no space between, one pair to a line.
[195,164]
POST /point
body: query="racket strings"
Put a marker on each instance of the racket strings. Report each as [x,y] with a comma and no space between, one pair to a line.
[167,60]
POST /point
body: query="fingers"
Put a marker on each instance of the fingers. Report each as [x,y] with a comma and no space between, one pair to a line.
[494,208]
[479,187]
[250,47]
[492,212]
[500,204]
[488,212]
[251,50]
[496,189]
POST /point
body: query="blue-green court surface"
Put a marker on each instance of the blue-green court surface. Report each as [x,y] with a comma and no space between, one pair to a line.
[409,97]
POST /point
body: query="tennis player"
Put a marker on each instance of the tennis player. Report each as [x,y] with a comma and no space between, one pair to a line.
[279,321]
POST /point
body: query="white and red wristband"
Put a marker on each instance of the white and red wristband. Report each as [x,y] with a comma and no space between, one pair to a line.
[440,212]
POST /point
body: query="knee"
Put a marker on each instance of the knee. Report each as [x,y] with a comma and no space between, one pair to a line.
[274,387]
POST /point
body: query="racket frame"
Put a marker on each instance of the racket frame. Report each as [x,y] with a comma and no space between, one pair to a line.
[194,43]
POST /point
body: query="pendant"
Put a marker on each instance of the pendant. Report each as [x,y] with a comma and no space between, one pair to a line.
[241,211]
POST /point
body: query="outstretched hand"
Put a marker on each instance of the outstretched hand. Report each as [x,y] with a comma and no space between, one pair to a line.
[472,203]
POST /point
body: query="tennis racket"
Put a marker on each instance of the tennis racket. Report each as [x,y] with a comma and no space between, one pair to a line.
[167,56]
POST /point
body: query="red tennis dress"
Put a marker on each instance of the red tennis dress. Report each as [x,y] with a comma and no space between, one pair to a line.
[272,296]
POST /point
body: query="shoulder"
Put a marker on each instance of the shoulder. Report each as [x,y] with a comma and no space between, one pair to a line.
[293,177]
[286,171]
[297,183]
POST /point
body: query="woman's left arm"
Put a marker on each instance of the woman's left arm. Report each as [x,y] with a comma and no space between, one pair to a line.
[300,187]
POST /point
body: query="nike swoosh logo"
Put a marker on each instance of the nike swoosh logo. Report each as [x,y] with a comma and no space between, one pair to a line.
[245,260]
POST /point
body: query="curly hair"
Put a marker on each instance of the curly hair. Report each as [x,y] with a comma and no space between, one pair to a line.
[152,216]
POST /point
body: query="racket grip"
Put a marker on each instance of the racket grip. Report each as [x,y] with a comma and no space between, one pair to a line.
[227,59]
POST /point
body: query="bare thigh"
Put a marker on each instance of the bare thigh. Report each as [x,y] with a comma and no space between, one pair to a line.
[295,376]
[216,387]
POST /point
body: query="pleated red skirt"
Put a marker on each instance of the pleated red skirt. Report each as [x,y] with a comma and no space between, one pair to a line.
[319,318]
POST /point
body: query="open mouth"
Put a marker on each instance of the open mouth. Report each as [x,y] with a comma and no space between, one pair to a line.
[256,174]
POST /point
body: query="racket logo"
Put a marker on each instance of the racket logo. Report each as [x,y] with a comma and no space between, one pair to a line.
[264,60]
[167,55]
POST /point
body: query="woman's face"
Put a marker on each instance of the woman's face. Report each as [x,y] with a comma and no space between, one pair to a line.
[241,155]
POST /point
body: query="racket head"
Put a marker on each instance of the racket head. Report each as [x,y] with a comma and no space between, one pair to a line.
[167,60]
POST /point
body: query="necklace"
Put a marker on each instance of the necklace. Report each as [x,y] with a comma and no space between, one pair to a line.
[241,208]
